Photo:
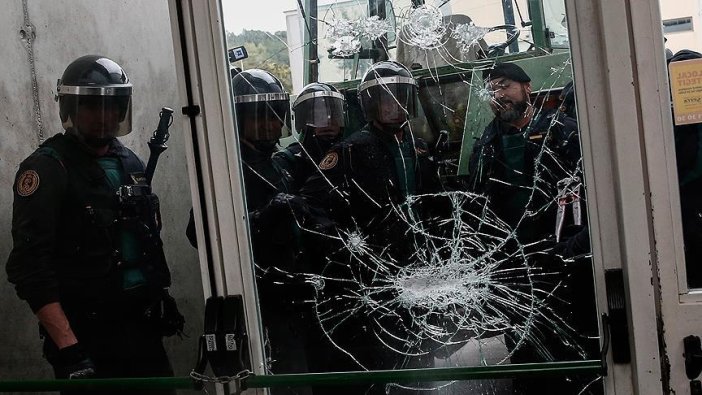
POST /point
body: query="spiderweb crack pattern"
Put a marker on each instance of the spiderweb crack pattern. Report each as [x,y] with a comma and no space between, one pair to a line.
[461,275]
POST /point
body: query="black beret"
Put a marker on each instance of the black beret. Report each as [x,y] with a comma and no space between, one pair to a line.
[684,54]
[506,70]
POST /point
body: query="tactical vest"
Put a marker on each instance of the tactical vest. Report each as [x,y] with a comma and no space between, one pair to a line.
[505,176]
[87,258]
[295,166]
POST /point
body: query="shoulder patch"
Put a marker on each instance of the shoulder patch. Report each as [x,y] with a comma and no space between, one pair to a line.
[329,161]
[27,183]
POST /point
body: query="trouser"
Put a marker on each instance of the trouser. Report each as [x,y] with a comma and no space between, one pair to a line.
[285,333]
[120,347]
[566,330]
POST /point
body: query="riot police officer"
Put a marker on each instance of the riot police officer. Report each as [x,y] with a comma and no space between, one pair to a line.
[320,119]
[519,162]
[381,164]
[87,255]
[262,111]
[361,184]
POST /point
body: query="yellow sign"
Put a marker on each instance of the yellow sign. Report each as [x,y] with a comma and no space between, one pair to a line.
[686,85]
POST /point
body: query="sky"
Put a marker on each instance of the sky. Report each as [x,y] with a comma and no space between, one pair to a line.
[264,15]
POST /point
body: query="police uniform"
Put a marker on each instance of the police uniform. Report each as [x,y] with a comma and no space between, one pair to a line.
[361,177]
[272,240]
[262,109]
[73,246]
[361,181]
[320,119]
[519,170]
[296,165]
[504,161]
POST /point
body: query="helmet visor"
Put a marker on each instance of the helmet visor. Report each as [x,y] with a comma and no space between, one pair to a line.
[263,120]
[97,117]
[389,103]
[319,110]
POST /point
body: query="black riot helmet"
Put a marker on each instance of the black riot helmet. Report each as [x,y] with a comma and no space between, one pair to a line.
[95,99]
[318,106]
[388,93]
[262,107]
[319,117]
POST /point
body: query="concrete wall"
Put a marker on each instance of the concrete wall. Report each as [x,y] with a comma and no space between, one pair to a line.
[136,34]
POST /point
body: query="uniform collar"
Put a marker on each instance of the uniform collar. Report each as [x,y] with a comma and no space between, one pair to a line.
[115,146]
[385,137]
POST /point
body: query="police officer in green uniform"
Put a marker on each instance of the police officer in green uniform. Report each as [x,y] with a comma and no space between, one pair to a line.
[362,176]
[320,119]
[262,111]
[518,163]
[87,254]
[361,182]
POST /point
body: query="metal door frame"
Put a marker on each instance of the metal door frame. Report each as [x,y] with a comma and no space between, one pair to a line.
[614,46]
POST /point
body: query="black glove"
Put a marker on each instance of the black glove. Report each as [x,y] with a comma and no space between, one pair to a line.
[76,363]
[172,322]
[164,315]
[576,242]
[284,203]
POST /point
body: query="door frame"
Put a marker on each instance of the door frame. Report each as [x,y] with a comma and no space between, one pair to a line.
[213,161]
[624,174]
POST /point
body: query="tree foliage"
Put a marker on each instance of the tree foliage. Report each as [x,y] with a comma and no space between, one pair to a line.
[267,51]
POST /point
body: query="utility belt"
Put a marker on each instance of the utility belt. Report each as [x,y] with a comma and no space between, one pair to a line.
[155,307]
[117,304]
[119,265]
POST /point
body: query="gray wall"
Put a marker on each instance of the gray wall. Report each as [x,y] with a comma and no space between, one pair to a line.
[137,35]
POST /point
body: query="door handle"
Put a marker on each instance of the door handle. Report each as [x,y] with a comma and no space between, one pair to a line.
[618,326]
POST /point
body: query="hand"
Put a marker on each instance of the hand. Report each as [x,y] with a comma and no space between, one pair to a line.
[282,204]
[287,202]
[76,362]
[576,242]
[172,321]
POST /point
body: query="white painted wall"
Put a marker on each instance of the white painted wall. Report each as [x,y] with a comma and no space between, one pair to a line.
[671,9]
[137,35]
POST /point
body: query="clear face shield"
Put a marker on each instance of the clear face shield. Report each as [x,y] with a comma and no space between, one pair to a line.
[321,111]
[97,113]
[389,100]
[263,117]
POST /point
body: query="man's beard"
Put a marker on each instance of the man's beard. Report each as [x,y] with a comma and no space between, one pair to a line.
[512,114]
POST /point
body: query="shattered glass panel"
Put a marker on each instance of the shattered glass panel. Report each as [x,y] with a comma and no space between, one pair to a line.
[441,221]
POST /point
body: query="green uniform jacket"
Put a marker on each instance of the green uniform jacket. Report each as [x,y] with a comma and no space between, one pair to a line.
[65,228]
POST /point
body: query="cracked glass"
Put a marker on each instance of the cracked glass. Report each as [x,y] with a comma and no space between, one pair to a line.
[422,203]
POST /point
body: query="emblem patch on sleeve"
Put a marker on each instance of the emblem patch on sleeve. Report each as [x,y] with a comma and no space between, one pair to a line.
[27,183]
[329,161]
